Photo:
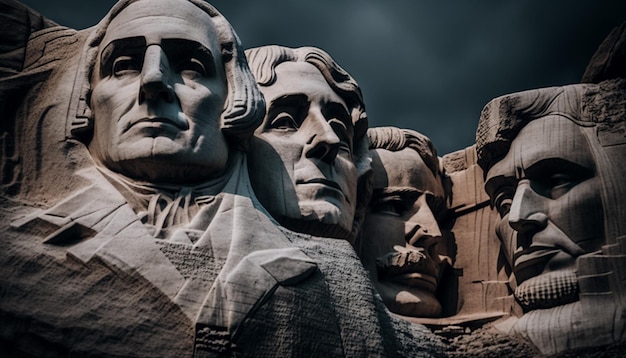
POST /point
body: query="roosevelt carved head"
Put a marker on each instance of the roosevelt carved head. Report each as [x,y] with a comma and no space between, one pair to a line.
[401,243]
[310,153]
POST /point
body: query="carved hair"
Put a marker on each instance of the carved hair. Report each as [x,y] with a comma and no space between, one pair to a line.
[244,107]
[263,62]
[600,111]
[396,139]
[504,117]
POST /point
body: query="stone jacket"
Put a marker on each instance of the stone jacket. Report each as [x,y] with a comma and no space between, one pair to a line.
[247,286]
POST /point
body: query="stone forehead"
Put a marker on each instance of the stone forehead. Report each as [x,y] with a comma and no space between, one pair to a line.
[602,105]
[154,19]
[404,168]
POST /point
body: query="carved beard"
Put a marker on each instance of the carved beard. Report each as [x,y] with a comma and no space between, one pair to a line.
[548,290]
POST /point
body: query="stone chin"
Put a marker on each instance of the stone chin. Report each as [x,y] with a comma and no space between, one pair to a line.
[320,218]
[326,213]
[410,302]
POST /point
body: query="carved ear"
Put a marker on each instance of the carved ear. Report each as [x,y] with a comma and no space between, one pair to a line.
[80,119]
[81,124]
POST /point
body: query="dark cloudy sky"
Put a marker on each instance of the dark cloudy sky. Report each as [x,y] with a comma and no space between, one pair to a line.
[428,65]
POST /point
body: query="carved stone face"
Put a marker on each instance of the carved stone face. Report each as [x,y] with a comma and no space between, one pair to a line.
[301,158]
[158,93]
[547,190]
[400,235]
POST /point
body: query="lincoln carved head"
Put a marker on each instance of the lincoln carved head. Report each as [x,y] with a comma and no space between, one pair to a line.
[551,162]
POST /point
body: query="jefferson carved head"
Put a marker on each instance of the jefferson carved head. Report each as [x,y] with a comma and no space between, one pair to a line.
[551,159]
[401,241]
[169,91]
[310,152]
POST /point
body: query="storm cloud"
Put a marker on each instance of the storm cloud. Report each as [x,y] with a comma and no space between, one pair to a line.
[426,65]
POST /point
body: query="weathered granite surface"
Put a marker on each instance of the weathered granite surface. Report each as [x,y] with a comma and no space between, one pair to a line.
[165,193]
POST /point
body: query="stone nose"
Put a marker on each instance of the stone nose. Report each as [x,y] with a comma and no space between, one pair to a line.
[422,227]
[324,143]
[527,211]
[155,78]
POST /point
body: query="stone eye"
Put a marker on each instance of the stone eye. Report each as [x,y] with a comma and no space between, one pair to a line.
[284,122]
[193,68]
[125,65]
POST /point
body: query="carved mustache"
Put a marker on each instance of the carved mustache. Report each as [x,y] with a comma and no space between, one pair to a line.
[404,261]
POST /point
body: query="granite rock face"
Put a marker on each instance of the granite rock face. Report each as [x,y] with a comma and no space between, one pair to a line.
[550,158]
[130,224]
[164,193]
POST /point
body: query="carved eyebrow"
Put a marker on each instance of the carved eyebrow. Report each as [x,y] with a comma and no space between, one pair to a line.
[549,166]
[395,190]
[176,48]
[295,104]
[290,100]
[129,45]
[179,48]
[340,112]
[408,194]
